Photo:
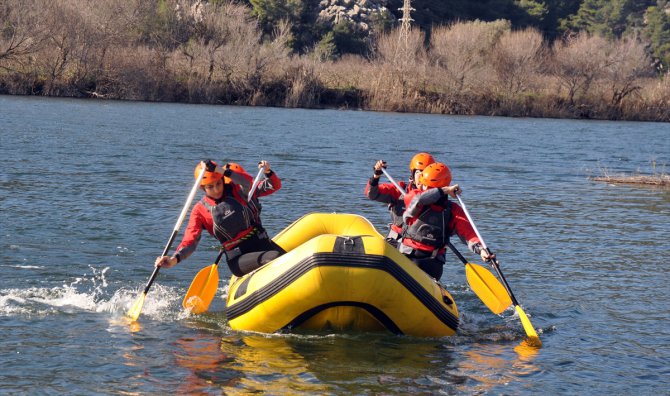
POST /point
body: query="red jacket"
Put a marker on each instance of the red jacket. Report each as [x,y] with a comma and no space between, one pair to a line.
[201,218]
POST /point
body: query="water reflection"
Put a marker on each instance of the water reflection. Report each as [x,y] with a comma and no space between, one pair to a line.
[490,367]
[350,363]
[313,364]
[527,351]
[208,366]
[243,364]
[270,364]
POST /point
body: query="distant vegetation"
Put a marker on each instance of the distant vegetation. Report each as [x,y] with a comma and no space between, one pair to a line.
[602,59]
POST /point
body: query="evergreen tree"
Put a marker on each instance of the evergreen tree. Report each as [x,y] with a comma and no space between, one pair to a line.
[300,14]
[608,18]
[557,10]
[657,31]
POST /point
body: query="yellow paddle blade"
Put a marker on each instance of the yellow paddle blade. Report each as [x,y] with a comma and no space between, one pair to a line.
[533,338]
[487,288]
[202,290]
[134,311]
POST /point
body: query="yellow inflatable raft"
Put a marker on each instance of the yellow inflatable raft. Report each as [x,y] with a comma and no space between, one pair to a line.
[340,274]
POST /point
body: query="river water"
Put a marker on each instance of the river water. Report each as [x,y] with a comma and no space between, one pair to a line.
[90,192]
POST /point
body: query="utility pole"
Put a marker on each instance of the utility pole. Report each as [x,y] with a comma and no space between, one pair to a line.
[406,20]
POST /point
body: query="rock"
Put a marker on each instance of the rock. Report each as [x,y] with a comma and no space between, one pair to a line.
[359,12]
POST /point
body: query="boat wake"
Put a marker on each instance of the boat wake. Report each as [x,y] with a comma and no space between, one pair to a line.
[86,294]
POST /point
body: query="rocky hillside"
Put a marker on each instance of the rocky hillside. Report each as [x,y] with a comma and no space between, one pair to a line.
[361,13]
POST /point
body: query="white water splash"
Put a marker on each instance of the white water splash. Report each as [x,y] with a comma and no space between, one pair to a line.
[161,302]
[88,293]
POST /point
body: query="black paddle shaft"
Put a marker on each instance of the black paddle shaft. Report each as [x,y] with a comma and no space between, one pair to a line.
[156,269]
[218,258]
[457,253]
[496,265]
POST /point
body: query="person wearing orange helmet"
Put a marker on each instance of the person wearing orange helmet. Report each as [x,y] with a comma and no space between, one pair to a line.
[431,218]
[390,195]
[225,213]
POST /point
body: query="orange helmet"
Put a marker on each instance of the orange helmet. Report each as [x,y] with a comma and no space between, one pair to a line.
[235,167]
[421,161]
[436,175]
[209,178]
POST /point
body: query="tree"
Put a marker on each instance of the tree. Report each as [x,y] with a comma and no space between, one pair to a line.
[401,73]
[461,49]
[657,32]
[226,29]
[608,18]
[578,62]
[536,10]
[162,26]
[299,14]
[557,10]
[348,39]
[628,63]
[326,49]
[517,58]
[21,32]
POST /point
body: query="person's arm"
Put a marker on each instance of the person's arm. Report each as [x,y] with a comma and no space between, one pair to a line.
[372,187]
[189,242]
[385,192]
[415,200]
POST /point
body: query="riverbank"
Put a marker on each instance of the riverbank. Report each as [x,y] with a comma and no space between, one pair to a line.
[220,56]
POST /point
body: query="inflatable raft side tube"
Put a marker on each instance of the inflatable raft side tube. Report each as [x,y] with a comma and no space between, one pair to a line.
[345,260]
[315,224]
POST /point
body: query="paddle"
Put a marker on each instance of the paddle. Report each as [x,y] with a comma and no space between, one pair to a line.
[484,284]
[528,327]
[402,193]
[134,311]
[203,288]
[481,281]
[257,180]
